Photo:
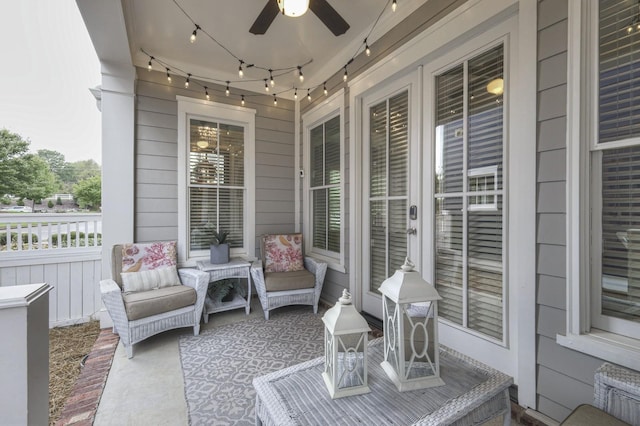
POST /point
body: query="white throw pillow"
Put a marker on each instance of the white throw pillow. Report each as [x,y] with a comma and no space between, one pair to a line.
[149,280]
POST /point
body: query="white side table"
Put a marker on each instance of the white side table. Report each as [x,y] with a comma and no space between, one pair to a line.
[236,268]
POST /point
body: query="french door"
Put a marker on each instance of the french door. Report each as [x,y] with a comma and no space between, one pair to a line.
[390,235]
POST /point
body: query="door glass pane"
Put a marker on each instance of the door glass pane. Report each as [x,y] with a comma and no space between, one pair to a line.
[397,234]
[378,244]
[449,130]
[448,273]
[621,233]
[378,150]
[485,125]
[485,271]
[398,144]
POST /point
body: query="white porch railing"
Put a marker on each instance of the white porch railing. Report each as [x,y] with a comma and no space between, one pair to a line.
[63,250]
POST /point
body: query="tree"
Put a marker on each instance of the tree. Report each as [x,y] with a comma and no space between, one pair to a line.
[37,179]
[12,150]
[88,192]
[54,159]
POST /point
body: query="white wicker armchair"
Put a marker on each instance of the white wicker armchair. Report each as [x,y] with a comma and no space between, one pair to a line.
[277,289]
[132,331]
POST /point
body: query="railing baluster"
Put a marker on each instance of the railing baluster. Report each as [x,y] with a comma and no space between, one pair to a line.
[19,235]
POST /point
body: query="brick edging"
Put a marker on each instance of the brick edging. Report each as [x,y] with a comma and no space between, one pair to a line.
[81,405]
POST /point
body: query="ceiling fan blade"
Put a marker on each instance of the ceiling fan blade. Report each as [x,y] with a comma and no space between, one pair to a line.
[266,17]
[329,16]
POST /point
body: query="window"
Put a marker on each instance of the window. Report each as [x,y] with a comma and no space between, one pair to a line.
[324,182]
[216,178]
[604,158]
[469,196]
[325,187]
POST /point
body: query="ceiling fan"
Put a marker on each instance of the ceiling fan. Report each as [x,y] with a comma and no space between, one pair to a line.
[323,10]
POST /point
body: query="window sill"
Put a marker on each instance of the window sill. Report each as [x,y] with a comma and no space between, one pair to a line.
[606,346]
[332,263]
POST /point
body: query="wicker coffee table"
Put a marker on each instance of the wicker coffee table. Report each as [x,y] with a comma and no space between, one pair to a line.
[474,393]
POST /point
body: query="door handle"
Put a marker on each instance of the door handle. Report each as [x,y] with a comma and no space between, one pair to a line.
[412,231]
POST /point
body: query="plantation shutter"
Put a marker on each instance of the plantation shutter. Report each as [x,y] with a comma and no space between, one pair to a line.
[388,186]
[619,119]
[216,183]
[469,221]
[325,185]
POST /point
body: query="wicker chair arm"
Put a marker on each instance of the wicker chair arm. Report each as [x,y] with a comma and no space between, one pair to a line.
[198,280]
[258,281]
[112,299]
[319,270]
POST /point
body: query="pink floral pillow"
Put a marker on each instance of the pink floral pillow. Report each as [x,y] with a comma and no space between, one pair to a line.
[145,257]
[283,253]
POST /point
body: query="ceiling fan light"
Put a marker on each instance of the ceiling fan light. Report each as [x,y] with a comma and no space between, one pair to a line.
[293,8]
[202,144]
[496,86]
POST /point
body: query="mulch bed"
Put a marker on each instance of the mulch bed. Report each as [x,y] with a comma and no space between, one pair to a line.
[67,347]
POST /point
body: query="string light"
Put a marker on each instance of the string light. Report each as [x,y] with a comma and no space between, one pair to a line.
[346,74]
[186,82]
[324,89]
[242,100]
[206,93]
[150,66]
[240,71]
[226,92]
[367,51]
[194,34]
[300,74]
[275,100]
[295,93]
[168,75]
[266,86]
[273,83]
[308,95]
[394,6]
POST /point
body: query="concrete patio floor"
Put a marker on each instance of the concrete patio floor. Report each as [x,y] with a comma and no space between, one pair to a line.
[148,389]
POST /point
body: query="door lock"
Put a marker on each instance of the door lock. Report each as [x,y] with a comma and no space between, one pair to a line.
[412,231]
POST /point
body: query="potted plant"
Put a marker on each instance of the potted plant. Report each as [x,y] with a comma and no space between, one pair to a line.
[219,247]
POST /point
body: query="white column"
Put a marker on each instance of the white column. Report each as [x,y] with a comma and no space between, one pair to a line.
[118,163]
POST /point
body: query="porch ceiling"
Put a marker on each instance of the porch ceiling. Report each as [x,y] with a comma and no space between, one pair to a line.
[163,30]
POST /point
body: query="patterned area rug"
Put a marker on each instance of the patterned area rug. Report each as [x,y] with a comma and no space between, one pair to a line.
[219,365]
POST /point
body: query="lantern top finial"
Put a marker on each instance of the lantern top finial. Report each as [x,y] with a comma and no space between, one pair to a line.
[408,265]
[346,297]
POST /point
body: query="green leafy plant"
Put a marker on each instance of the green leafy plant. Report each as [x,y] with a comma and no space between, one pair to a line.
[219,237]
[59,201]
[50,204]
[218,290]
[14,238]
[5,200]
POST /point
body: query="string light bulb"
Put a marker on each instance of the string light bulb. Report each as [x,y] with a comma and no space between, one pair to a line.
[240,70]
[186,82]
[295,94]
[266,86]
[150,66]
[346,74]
[242,100]
[394,6]
[275,100]
[367,51]
[308,95]
[194,34]
[206,93]
[272,82]
[300,75]
[226,92]
[168,75]
[324,89]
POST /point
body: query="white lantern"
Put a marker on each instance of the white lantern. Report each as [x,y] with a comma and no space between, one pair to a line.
[345,349]
[410,322]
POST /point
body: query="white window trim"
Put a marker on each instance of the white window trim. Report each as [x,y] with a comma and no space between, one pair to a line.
[200,109]
[330,108]
[581,125]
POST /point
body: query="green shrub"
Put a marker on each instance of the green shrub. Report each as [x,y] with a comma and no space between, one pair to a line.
[50,204]
[5,200]
[14,238]
[59,201]
[20,202]
[64,238]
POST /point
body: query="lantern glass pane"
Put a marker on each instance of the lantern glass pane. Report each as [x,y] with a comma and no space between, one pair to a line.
[391,339]
[351,359]
[418,340]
